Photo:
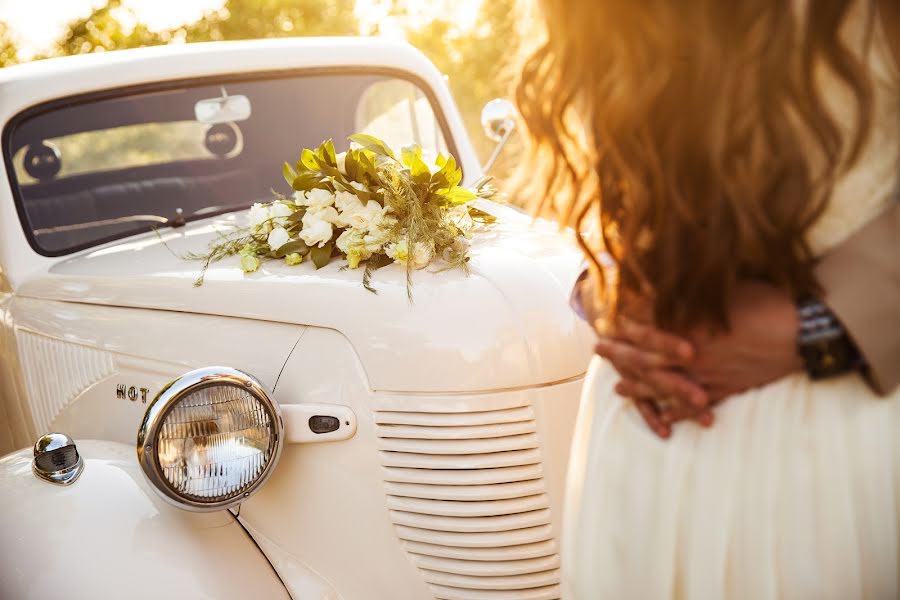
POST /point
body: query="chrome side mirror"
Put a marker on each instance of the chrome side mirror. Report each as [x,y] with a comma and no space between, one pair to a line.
[498,118]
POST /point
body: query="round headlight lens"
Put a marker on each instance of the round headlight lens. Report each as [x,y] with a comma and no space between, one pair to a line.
[210,439]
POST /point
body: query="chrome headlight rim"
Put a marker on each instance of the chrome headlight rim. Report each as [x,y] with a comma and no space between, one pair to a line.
[168,398]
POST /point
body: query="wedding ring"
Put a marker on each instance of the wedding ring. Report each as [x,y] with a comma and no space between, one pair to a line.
[665,402]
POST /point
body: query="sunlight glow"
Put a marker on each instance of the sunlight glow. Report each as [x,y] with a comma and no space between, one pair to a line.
[38,23]
[392,17]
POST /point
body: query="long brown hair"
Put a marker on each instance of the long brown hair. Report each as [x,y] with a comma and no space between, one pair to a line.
[695,135]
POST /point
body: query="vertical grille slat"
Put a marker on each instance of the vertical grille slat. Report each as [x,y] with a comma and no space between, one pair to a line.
[466,493]
[56,372]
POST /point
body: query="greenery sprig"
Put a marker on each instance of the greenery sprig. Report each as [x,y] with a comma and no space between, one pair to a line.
[366,205]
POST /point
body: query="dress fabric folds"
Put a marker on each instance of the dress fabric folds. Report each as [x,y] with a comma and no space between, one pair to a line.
[794,493]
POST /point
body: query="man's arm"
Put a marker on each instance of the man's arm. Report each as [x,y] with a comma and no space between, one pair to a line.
[861,280]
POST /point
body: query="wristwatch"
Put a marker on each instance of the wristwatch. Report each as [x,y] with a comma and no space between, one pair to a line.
[823,343]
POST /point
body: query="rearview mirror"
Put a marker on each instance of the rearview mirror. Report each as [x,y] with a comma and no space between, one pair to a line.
[224,109]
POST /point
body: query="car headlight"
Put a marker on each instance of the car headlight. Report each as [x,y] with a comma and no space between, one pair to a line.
[210,439]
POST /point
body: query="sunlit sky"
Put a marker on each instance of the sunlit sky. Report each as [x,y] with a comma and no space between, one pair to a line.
[38,23]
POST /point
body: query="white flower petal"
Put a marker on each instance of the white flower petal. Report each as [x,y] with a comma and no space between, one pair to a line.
[259,214]
[278,238]
[319,197]
[316,233]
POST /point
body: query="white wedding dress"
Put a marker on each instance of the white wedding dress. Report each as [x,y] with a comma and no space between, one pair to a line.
[794,493]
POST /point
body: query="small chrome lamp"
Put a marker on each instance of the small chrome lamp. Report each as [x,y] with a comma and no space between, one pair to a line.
[56,459]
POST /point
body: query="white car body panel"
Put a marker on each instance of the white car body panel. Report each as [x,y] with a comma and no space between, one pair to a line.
[113,537]
[450,484]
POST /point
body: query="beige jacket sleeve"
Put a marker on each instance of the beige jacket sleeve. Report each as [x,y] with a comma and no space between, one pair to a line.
[861,280]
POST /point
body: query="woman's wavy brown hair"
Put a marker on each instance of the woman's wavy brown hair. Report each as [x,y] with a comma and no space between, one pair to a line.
[695,136]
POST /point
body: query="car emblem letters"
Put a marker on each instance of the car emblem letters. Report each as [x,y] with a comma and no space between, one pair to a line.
[131,392]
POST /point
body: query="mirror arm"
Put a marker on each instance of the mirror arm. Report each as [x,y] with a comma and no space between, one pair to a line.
[499,148]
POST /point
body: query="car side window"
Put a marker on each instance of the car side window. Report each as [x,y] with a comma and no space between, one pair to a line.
[399,113]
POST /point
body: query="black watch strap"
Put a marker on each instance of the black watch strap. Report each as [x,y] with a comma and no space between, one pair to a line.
[823,344]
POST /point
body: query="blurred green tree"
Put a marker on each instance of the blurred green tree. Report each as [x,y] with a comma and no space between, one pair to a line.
[107,28]
[8,52]
[250,19]
[479,64]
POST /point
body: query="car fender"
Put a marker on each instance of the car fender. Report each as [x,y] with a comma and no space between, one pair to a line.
[109,535]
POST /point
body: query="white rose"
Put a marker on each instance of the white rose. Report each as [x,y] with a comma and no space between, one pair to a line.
[347,240]
[350,208]
[278,238]
[376,238]
[317,225]
[318,197]
[344,199]
[259,214]
[364,217]
[321,213]
[420,256]
[357,185]
[341,161]
[317,234]
[279,213]
[352,244]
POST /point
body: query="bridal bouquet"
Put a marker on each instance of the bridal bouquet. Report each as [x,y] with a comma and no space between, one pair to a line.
[365,205]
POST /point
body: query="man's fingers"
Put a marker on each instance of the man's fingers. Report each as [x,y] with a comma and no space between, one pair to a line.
[632,388]
[627,356]
[675,349]
[650,413]
[702,416]
[676,387]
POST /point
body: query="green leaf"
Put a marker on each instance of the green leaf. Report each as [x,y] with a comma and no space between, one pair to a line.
[289,173]
[321,256]
[351,165]
[297,216]
[308,159]
[306,181]
[450,171]
[294,247]
[458,195]
[363,196]
[367,160]
[481,216]
[412,158]
[373,144]
[330,156]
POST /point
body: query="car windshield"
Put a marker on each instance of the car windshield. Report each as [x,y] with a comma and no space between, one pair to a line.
[88,171]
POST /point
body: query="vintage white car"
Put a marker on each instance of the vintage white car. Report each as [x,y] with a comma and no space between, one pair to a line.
[285,433]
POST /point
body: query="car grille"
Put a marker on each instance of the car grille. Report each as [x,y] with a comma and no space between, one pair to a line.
[467,496]
[56,372]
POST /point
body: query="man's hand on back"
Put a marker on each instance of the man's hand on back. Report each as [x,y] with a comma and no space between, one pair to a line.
[674,378]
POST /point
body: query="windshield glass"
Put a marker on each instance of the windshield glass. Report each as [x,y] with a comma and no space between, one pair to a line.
[88,172]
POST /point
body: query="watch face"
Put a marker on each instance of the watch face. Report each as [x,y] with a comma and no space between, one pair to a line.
[828,358]
[823,344]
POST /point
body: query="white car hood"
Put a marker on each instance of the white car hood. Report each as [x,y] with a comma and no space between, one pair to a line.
[506,324]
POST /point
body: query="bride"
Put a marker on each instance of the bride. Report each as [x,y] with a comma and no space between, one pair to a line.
[739,164]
